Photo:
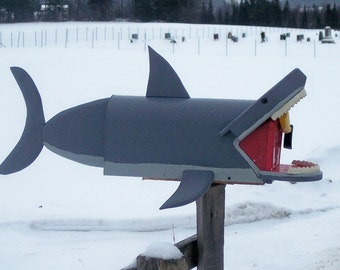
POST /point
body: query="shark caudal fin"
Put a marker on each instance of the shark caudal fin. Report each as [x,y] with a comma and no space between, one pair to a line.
[31,142]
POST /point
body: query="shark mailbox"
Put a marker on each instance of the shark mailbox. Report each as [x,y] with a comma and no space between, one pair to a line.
[168,135]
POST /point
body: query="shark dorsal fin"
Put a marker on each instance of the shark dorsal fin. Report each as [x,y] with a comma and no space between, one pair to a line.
[163,80]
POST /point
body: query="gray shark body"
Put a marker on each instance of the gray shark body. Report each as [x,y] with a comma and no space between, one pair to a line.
[168,135]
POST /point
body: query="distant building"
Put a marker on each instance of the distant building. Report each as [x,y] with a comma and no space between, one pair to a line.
[52,12]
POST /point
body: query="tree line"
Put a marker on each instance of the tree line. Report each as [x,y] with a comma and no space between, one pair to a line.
[243,12]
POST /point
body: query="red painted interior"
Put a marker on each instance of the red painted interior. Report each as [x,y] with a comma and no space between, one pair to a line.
[263,145]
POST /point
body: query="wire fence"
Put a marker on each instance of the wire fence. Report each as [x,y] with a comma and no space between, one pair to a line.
[196,39]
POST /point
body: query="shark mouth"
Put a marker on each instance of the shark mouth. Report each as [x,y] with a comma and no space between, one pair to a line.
[263,145]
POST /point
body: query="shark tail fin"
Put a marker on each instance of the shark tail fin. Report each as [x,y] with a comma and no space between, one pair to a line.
[31,142]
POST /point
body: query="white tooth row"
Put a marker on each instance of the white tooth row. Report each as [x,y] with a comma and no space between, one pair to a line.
[299,170]
[285,108]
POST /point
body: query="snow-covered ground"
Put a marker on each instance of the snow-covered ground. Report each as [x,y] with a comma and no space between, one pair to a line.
[57,214]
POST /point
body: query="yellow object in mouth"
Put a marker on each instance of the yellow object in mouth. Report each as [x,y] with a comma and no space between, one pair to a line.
[285,123]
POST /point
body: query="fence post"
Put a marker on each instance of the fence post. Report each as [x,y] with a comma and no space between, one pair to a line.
[45,37]
[210,228]
[42,38]
[1,44]
[119,35]
[92,39]
[255,48]
[66,37]
[18,41]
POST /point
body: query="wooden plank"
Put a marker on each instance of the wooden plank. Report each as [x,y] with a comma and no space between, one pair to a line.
[188,247]
[150,263]
[210,228]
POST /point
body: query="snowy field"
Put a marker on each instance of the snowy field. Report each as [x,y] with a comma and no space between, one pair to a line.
[58,214]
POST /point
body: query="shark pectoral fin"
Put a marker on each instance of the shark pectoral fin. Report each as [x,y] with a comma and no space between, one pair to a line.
[194,184]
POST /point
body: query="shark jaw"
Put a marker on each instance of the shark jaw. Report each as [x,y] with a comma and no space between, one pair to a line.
[262,146]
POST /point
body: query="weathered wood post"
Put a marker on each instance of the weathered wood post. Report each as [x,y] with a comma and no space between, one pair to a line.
[210,228]
[206,249]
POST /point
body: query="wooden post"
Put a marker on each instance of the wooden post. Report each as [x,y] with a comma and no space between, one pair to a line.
[210,229]
[204,250]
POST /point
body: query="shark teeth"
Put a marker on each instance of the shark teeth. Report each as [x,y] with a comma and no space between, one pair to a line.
[302,166]
[285,108]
